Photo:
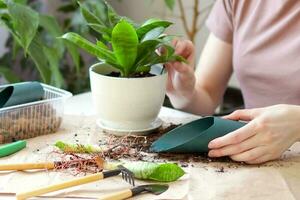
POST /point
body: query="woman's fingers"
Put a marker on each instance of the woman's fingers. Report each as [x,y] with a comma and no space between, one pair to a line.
[235,148]
[234,137]
[245,115]
[184,48]
[250,155]
[262,159]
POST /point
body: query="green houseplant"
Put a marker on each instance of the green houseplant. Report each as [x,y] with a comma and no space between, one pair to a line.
[132,46]
[128,85]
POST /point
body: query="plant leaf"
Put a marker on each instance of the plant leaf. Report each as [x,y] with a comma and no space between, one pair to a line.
[153,34]
[102,45]
[89,16]
[125,43]
[147,52]
[23,2]
[25,22]
[165,172]
[53,59]
[147,46]
[73,51]
[7,22]
[143,69]
[52,27]
[101,29]
[100,9]
[15,47]
[2,4]
[9,75]
[151,24]
[101,53]
[36,52]
[170,4]
[50,24]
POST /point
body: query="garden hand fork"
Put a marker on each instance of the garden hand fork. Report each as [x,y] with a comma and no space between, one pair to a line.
[127,175]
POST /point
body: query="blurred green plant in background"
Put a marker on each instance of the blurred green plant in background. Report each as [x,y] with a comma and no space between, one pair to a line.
[33,45]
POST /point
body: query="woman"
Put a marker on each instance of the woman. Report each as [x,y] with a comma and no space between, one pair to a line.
[260,41]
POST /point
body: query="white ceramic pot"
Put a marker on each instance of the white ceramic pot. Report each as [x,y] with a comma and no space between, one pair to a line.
[127,104]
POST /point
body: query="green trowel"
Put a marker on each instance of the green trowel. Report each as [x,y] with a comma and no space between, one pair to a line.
[194,136]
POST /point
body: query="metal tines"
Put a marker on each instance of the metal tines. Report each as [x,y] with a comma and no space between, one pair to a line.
[127,175]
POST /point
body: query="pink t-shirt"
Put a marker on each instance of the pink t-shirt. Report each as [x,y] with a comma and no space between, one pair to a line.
[265,35]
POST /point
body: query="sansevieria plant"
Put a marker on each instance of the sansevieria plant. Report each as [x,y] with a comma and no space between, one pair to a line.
[130,48]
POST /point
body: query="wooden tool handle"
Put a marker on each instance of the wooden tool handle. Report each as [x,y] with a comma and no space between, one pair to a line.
[60,186]
[27,166]
[124,194]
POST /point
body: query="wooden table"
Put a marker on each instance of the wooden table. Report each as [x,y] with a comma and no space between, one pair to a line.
[275,180]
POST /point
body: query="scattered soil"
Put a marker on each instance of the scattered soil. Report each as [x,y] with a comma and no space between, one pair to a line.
[135,75]
[136,148]
[131,146]
[220,170]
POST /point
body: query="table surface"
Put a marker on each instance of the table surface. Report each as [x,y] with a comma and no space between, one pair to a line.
[280,180]
[282,172]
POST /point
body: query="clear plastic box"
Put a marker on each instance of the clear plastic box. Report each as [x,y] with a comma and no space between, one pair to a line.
[35,118]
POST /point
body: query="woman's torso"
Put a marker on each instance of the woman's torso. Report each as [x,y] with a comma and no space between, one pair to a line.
[266,55]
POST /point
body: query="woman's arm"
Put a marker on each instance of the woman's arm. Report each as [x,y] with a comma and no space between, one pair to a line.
[200,92]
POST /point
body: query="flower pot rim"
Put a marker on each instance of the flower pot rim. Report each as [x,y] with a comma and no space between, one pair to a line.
[123,78]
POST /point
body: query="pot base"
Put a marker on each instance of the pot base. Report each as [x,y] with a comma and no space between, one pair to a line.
[122,132]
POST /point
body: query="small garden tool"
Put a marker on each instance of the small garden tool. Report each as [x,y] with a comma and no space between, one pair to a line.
[125,194]
[8,149]
[126,175]
[33,166]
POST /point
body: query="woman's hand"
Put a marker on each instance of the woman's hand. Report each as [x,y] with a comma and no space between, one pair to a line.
[181,80]
[270,132]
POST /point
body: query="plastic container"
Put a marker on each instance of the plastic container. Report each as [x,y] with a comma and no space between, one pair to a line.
[33,119]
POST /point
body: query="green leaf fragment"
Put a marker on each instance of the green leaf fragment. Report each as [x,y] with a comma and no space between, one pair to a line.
[76,148]
[162,172]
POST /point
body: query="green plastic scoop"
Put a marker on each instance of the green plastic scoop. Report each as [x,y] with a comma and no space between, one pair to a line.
[20,93]
[194,137]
